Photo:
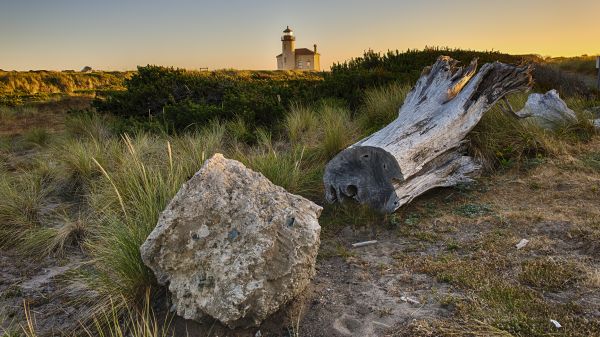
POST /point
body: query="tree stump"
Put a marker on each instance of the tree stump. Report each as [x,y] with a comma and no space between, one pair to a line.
[422,148]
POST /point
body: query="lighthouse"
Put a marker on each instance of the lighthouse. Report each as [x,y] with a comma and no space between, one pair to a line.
[296,59]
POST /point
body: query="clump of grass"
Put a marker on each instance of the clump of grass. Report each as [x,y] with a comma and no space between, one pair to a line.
[126,202]
[87,125]
[24,198]
[339,130]
[473,210]
[500,139]
[302,125]
[36,137]
[47,240]
[503,140]
[200,145]
[9,114]
[381,106]
[582,130]
[142,322]
[549,274]
[75,161]
[239,130]
[592,160]
[285,168]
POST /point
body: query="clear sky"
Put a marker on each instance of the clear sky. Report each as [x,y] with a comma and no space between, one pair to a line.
[244,34]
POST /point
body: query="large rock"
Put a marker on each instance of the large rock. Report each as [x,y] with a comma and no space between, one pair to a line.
[233,245]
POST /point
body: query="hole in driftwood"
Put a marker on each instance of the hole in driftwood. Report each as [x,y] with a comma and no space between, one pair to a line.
[351,190]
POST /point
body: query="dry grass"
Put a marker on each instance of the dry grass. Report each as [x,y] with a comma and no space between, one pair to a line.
[547,191]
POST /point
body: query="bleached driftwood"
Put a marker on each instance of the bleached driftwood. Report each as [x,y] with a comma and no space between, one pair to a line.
[422,148]
[548,110]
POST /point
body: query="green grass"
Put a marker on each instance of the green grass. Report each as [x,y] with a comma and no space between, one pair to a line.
[126,203]
[24,198]
[592,160]
[120,184]
[88,125]
[302,124]
[550,274]
[134,322]
[381,105]
[339,130]
[37,137]
[473,210]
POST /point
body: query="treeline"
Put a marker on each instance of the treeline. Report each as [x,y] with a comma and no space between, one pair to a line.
[584,64]
[177,99]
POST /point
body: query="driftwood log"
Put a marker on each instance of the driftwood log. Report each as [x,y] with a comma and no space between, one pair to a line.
[423,147]
[547,110]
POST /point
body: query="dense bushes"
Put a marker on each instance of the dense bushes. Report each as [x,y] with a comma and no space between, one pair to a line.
[182,99]
[176,99]
[349,79]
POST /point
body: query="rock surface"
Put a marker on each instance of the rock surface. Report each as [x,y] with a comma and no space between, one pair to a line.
[548,110]
[233,245]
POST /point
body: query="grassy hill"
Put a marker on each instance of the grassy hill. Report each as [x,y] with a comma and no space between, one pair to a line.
[19,86]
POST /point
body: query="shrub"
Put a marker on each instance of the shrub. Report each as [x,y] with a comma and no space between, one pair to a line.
[183,99]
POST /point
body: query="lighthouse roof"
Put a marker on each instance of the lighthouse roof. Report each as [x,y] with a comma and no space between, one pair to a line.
[287,30]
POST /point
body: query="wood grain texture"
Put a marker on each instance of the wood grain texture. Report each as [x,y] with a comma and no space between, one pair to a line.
[427,137]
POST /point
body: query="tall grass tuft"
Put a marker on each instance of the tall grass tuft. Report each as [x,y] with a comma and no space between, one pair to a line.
[75,159]
[126,202]
[48,240]
[302,125]
[88,125]
[503,140]
[24,199]
[339,130]
[36,137]
[283,166]
[381,106]
[142,322]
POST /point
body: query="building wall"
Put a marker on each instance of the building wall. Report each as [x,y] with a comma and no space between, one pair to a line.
[288,59]
[305,62]
[308,62]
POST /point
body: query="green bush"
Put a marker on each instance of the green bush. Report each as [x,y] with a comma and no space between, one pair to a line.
[181,99]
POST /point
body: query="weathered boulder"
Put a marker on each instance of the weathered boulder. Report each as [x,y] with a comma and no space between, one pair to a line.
[233,245]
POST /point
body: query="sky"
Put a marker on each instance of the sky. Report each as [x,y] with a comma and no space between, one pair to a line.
[245,34]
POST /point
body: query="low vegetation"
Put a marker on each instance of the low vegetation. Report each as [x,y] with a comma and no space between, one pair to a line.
[89,189]
[20,87]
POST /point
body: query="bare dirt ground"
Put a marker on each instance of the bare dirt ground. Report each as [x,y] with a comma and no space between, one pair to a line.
[450,265]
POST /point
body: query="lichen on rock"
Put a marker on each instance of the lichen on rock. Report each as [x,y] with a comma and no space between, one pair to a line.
[233,245]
